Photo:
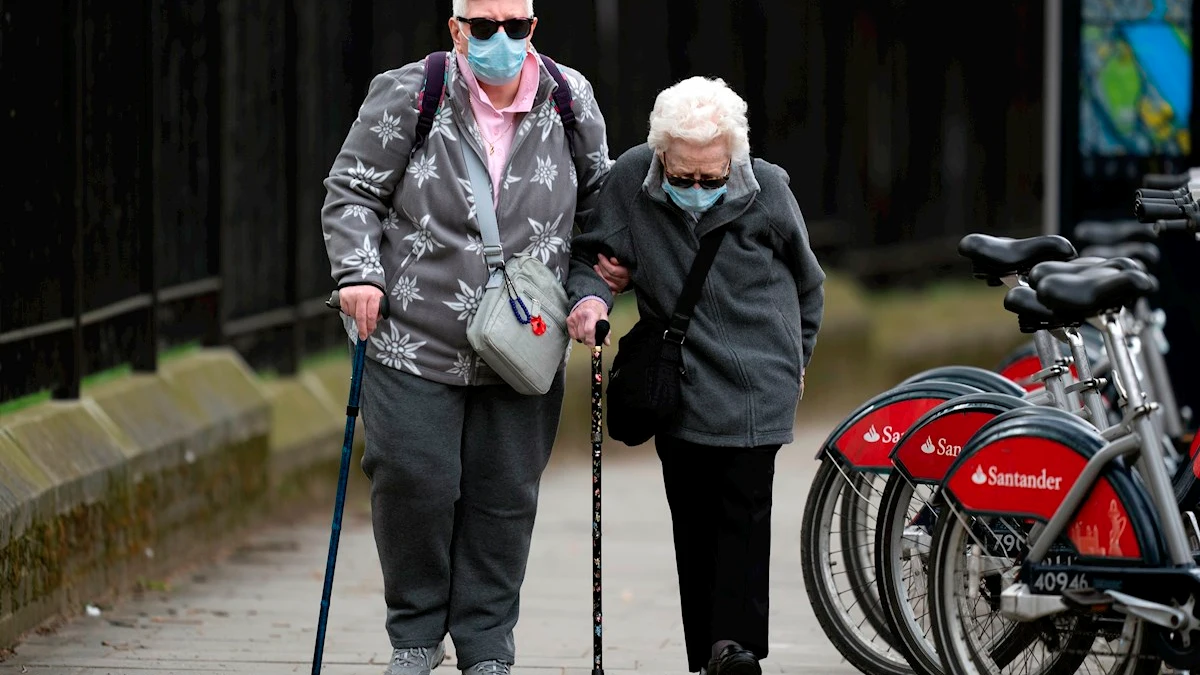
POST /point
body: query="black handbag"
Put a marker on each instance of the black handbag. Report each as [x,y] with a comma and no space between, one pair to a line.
[645,380]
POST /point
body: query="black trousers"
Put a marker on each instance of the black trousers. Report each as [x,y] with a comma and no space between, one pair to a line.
[720,501]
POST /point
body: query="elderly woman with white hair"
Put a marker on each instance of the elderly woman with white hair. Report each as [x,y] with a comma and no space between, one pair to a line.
[750,337]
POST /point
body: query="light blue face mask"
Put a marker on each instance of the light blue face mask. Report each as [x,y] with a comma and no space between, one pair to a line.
[694,199]
[497,60]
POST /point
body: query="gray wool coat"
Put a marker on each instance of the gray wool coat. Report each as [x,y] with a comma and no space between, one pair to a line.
[754,329]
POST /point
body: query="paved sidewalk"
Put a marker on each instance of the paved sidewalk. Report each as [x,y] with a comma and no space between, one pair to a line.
[256,611]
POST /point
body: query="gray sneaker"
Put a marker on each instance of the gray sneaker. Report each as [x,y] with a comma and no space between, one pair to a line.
[416,660]
[488,668]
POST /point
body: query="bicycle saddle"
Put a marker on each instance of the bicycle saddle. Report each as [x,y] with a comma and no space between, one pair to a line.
[1032,315]
[1144,252]
[1096,233]
[1042,270]
[995,257]
[1092,292]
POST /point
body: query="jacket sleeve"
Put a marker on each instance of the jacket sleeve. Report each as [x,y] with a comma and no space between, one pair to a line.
[592,161]
[607,233]
[367,170]
[807,272]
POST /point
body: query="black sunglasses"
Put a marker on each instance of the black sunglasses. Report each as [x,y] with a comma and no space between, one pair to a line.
[706,183]
[484,29]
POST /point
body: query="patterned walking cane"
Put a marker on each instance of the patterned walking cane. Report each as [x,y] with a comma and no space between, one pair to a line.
[602,329]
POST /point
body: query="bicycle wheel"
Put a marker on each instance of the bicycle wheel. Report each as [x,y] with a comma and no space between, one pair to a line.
[906,518]
[831,573]
[972,637]
[860,510]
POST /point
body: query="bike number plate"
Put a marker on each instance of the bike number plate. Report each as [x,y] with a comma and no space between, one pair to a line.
[1055,580]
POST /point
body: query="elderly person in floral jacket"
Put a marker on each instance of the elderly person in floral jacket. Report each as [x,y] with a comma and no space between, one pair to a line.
[454,454]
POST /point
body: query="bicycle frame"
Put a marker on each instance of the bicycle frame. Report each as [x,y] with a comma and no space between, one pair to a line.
[1141,439]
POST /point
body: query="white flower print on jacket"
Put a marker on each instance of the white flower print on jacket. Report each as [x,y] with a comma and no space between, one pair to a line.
[409,226]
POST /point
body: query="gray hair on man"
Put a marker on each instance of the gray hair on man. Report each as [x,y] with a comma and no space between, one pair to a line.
[700,110]
[460,8]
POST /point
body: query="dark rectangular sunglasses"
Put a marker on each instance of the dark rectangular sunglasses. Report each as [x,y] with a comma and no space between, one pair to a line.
[706,183]
[484,29]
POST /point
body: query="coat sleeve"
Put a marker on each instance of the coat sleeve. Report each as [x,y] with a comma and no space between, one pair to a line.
[369,166]
[607,233]
[592,162]
[794,247]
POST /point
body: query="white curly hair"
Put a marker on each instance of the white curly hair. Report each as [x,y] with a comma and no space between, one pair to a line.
[700,110]
[460,8]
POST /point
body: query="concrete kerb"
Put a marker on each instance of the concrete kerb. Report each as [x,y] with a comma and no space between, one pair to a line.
[131,480]
[66,554]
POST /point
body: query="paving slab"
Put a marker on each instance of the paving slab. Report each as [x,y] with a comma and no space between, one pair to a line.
[255,610]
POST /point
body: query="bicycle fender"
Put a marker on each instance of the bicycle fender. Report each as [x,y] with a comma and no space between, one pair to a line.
[1021,465]
[980,378]
[864,440]
[926,451]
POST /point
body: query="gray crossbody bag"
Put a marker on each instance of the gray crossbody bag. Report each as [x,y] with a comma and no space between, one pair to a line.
[520,330]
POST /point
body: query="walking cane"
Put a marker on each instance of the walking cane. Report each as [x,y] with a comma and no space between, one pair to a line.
[602,329]
[360,352]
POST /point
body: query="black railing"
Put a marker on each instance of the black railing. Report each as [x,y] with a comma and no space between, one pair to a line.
[165,158]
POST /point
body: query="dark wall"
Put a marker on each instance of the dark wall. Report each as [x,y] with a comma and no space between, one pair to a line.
[169,153]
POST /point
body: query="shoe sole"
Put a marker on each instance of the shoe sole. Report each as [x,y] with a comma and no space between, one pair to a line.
[742,667]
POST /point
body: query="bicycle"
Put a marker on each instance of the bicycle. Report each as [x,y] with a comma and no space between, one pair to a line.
[905,515]
[1152,621]
[856,462]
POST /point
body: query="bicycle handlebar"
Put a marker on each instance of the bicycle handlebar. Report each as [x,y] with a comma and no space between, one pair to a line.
[335,302]
[1162,181]
[1169,195]
[1150,210]
[1179,225]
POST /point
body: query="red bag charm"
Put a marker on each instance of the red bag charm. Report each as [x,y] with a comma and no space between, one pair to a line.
[538,325]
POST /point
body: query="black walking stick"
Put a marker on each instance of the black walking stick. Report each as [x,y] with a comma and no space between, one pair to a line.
[602,329]
[360,353]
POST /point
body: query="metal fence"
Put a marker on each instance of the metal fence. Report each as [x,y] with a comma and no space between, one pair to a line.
[165,157]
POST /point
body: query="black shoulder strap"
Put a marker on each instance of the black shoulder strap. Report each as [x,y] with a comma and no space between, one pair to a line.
[692,286]
[430,97]
[562,100]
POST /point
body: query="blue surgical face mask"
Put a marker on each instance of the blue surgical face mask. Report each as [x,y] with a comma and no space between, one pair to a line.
[694,199]
[497,60]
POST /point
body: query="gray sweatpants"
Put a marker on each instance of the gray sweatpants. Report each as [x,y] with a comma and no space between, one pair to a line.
[454,477]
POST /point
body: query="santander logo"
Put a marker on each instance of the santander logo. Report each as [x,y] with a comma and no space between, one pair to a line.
[941,449]
[1015,479]
[888,435]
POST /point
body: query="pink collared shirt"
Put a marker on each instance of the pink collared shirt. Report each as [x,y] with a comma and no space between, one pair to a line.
[498,127]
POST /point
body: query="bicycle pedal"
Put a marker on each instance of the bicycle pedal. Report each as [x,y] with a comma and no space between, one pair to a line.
[1087,600]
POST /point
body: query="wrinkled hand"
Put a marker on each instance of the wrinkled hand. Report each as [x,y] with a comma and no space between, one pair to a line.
[581,325]
[362,304]
[612,273]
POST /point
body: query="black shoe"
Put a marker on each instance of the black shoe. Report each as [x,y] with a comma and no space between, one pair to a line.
[734,660]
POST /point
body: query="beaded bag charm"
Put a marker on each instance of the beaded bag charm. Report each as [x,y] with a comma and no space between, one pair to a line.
[532,319]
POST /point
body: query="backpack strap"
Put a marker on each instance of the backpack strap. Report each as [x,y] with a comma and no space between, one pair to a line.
[430,98]
[562,100]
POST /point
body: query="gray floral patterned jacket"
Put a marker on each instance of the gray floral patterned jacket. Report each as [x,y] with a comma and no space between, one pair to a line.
[409,227]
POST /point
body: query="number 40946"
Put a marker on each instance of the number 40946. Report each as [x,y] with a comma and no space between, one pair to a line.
[1050,582]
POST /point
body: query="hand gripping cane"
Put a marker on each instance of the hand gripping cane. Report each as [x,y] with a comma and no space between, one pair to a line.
[360,352]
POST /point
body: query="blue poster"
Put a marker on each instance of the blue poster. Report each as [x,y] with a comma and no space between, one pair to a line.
[1136,80]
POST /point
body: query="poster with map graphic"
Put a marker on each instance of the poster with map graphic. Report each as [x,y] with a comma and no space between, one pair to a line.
[1136,80]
